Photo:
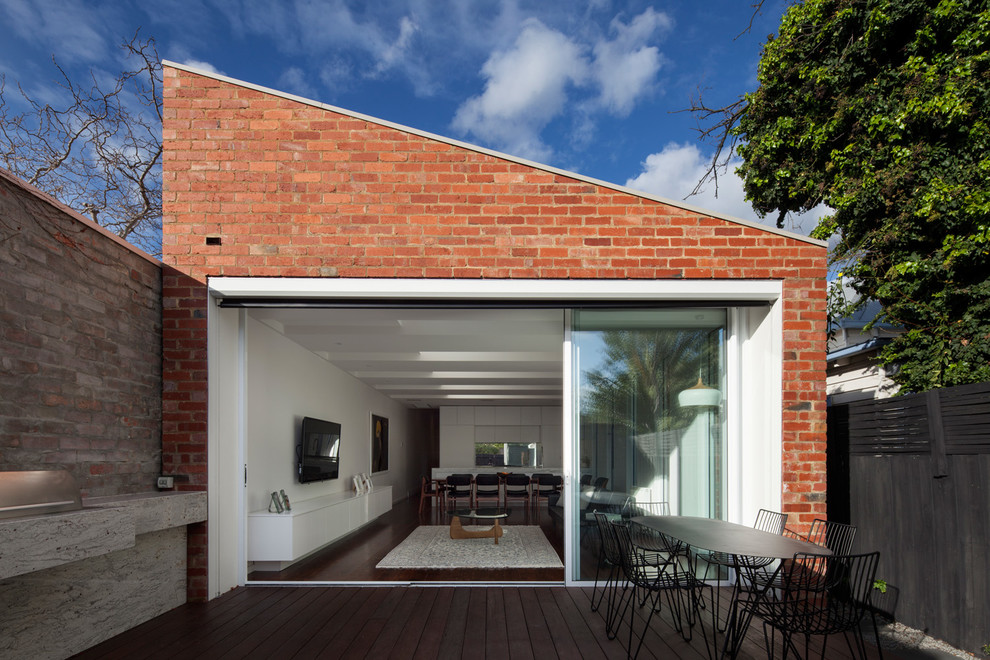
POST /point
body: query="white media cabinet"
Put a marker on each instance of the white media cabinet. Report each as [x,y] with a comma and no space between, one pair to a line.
[276,540]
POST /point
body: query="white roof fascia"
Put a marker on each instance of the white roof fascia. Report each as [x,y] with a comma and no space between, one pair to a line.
[301,288]
[503,156]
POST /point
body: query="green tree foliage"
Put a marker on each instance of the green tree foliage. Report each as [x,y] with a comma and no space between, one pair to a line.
[879,109]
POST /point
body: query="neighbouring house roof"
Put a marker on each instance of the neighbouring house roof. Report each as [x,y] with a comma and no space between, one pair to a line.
[862,316]
[496,154]
[856,349]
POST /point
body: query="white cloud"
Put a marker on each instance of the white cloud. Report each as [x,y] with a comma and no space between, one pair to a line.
[294,80]
[526,88]
[675,171]
[336,74]
[626,66]
[395,52]
[531,81]
[71,29]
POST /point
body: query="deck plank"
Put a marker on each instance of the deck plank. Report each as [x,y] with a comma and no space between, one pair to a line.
[517,622]
[496,632]
[539,631]
[562,640]
[452,642]
[373,610]
[397,626]
[432,635]
[322,635]
[515,625]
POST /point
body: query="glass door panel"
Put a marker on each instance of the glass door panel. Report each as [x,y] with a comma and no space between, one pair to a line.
[649,391]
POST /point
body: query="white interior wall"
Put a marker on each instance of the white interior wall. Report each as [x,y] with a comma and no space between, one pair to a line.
[285,383]
[462,426]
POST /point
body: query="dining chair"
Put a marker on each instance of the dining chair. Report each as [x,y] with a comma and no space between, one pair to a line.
[767,521]
[459,486]
[609,559]
[680,588]
[820,595]
[487,487]
[428,490]
[655,547]
[837,537]
[545,485]
[517,488]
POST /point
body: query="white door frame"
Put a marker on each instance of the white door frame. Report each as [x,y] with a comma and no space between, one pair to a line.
[759,347]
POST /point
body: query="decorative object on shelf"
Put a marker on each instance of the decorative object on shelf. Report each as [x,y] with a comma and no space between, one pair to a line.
[358,484]
[285,500]
[379,443]
[275,505]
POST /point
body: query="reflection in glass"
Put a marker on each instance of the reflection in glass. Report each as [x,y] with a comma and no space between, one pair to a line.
[649,409]
[508,454]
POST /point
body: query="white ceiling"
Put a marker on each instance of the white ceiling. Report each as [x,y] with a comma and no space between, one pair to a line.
[432,357]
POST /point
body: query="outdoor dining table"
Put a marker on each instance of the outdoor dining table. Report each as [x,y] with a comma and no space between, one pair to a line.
[733,539]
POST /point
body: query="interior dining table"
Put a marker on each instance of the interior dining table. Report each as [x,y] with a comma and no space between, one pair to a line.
[733,539]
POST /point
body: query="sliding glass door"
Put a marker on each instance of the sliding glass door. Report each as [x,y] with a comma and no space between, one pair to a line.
[648,388]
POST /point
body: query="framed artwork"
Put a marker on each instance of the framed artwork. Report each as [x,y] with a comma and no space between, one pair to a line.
[379,443]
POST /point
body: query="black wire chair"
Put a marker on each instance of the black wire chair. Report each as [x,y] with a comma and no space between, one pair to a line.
[609,557]
[656,548]
[680,587]
[649,540]
[837,537]
[767,521]
[820,595]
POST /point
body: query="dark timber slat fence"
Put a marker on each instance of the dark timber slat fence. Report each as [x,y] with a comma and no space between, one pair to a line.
[919,474]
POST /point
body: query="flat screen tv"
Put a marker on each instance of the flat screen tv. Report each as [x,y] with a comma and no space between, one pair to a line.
[318,451]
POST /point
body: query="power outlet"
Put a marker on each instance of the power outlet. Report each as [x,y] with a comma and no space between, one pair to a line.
[165,483]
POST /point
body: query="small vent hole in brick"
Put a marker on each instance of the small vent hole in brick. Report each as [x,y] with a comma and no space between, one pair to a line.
[213,240]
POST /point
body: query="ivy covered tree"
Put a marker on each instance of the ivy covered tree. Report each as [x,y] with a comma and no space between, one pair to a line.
[879,109]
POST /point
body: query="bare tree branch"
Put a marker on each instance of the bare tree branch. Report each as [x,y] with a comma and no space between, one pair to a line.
[100,152]
[716,125]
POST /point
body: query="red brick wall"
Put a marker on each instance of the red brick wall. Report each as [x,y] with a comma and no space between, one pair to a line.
[299,191]
[80,348]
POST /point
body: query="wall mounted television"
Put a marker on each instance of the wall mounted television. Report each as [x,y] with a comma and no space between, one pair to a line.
[318,451]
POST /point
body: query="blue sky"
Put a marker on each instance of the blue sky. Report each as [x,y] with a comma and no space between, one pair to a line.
[591,87]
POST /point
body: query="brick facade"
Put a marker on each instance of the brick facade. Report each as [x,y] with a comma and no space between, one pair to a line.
[299,190]
[80,350]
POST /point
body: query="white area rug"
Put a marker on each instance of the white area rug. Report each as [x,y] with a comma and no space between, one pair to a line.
[430,546]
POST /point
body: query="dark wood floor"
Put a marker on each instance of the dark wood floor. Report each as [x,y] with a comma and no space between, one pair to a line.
[353,558]
[414,621]
[474,622]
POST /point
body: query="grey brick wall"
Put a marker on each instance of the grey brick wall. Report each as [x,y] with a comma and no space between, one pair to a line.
[80,348]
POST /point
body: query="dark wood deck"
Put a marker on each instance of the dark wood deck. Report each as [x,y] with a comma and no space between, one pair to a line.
[407,622]
[416,621]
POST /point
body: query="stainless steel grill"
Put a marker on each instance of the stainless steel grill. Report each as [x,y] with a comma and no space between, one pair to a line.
[33,492]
